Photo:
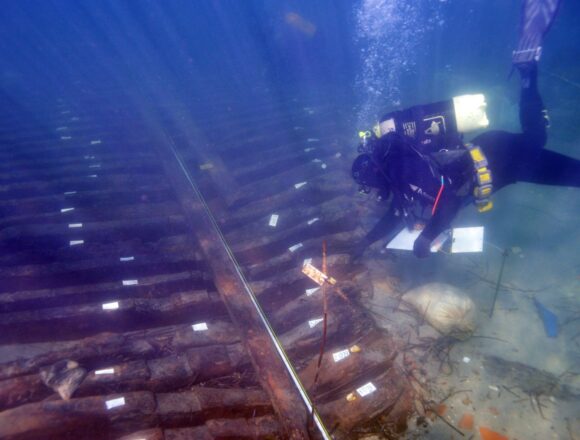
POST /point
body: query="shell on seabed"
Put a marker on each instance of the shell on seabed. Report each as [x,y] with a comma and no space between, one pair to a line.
[446,308]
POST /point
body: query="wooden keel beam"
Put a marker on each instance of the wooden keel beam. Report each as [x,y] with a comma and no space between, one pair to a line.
[271,372]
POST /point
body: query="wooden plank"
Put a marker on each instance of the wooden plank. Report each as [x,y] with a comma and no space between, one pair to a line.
[106,348]
[255,428]
[91,415]
[191,366]
[105,416]
[62,323]
[157,286]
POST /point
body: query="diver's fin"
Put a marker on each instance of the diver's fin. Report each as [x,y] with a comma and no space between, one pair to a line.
[537,17]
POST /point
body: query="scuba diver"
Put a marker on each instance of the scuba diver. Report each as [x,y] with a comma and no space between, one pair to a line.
[417,159]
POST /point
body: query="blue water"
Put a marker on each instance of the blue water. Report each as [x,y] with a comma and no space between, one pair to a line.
[261,85]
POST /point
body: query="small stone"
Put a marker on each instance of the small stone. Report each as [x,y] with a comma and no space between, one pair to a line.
[466,421]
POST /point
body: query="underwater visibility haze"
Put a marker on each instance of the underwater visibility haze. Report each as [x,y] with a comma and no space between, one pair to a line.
[289,219]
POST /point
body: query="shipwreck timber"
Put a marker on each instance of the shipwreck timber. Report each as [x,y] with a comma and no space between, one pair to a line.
[139,258]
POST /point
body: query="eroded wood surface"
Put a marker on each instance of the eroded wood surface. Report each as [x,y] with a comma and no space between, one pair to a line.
[135,247]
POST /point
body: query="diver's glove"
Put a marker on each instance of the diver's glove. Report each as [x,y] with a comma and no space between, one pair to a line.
[422,247]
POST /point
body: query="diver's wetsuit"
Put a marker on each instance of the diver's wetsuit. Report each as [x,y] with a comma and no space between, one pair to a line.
[512,158]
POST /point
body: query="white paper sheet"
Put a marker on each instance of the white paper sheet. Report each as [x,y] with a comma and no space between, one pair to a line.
[405,239]
[463,240]
[467,240]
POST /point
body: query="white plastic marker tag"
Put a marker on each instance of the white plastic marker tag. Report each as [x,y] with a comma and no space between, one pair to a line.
[97,142]
[366,389]
[273,220]
[66,138]
[312,221]
[75,225]
[295,247]
[105,371]
[69,193]
[300,185]
[314,322]
[114,403]
[130,282]
[307,261]
[126,259]
[76,242]
[111,306]
[312,140]
[467,240]
[340,355]
[309,292]
[200,327]
[67,209]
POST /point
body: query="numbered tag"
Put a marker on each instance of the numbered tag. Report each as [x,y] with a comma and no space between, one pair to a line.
[114,403]
[366,389]
[200,327]
[340,355]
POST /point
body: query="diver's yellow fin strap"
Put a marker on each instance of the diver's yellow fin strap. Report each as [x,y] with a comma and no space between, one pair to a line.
[483,188]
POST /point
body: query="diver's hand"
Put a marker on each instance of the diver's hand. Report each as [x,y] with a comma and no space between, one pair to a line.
[422,247]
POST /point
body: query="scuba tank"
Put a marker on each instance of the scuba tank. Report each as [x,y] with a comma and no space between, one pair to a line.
[434,133]
[439,123]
